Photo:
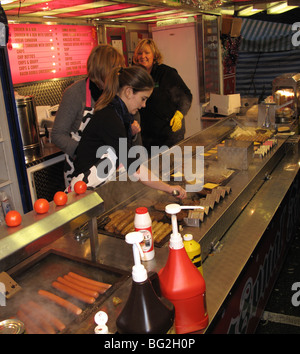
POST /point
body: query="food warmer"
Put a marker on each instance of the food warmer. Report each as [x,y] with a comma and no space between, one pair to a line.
[237,219]
[286,93]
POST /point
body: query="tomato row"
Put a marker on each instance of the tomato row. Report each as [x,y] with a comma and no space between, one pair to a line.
[41,206]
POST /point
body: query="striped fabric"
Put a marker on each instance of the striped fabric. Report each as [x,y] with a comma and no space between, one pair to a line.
[256,71]
[262,36]
[266,51]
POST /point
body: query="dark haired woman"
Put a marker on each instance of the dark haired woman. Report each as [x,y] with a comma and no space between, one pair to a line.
[101,148]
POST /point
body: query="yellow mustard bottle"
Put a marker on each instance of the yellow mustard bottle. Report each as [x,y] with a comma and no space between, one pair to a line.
[193,249]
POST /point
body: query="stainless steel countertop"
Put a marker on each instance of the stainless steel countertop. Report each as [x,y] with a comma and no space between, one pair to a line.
[222,268]
[232,223]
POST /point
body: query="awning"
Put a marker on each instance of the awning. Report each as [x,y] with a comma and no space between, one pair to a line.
[266,51]
[262,36]
[256,71]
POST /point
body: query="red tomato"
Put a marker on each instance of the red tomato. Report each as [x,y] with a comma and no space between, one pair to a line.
[60,198]
[80,187]
[13,218]
[41,206]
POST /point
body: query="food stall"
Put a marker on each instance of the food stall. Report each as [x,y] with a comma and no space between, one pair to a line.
[44,49]
[244,233]
[250,200]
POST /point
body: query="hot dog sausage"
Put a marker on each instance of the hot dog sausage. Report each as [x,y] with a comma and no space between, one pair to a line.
[154,222]
[129,227]
[160,231]
[72,292]
[85,285]
[115,213]
[37,318]
[30,326]
[129,217]
[157,226]
[47,315]
[60,301]
[163,233]
[88,280]
[115,219]
[85,291]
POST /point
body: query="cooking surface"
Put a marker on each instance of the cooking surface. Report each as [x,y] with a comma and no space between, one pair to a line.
[41,273]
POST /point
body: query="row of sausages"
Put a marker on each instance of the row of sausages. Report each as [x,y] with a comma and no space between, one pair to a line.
[39,320]
[122,222]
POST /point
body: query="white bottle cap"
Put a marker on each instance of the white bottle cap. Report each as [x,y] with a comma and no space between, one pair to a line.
[139,273]
[188,237]
[101,319]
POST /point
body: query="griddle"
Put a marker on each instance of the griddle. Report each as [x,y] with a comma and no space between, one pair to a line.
[40,271]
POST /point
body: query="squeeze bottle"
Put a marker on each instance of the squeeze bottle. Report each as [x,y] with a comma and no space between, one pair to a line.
[193,249]
[144,312]
[182,283]
[5,203]
[143,223]
[101,319]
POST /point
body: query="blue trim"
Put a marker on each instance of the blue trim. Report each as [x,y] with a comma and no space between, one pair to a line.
[14,129]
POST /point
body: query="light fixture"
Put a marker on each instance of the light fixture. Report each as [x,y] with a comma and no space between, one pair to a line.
[248,11]
[226,11]
[5,2]
[280,8]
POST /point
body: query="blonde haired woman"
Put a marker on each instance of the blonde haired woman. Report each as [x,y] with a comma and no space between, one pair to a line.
[162,121]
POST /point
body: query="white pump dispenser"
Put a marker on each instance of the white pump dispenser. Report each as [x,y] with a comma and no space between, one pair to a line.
[144,312]
[139,273]
[176,241]
[101,318]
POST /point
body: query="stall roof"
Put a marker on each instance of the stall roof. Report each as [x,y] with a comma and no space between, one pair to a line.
[139,11]
[144,11]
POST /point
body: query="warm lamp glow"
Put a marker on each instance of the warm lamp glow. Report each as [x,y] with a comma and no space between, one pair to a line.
[249,11]
[279,8]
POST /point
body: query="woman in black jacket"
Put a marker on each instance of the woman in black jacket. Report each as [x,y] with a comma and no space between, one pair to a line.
[107,138]
[162,120]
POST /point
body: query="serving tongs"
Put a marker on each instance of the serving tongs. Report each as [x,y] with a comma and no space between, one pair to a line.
[175,193]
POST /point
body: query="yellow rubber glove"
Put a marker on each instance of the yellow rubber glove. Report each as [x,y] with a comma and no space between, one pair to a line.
[176,121]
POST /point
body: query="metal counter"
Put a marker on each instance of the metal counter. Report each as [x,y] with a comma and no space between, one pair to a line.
[228,236]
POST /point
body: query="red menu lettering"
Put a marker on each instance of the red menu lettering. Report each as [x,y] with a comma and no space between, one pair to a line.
[42,52]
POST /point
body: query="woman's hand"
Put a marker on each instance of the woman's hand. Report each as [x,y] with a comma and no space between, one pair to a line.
[176,121]
[135,127]
[147,178]
[179,192]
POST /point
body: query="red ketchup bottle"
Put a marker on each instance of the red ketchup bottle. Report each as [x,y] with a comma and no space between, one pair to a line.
[143,224]
[183,284]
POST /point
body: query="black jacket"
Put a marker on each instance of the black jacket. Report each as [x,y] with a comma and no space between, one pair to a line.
[169,95]
[105,129]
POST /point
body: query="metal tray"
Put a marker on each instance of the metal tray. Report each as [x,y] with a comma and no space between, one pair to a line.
[39,272]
